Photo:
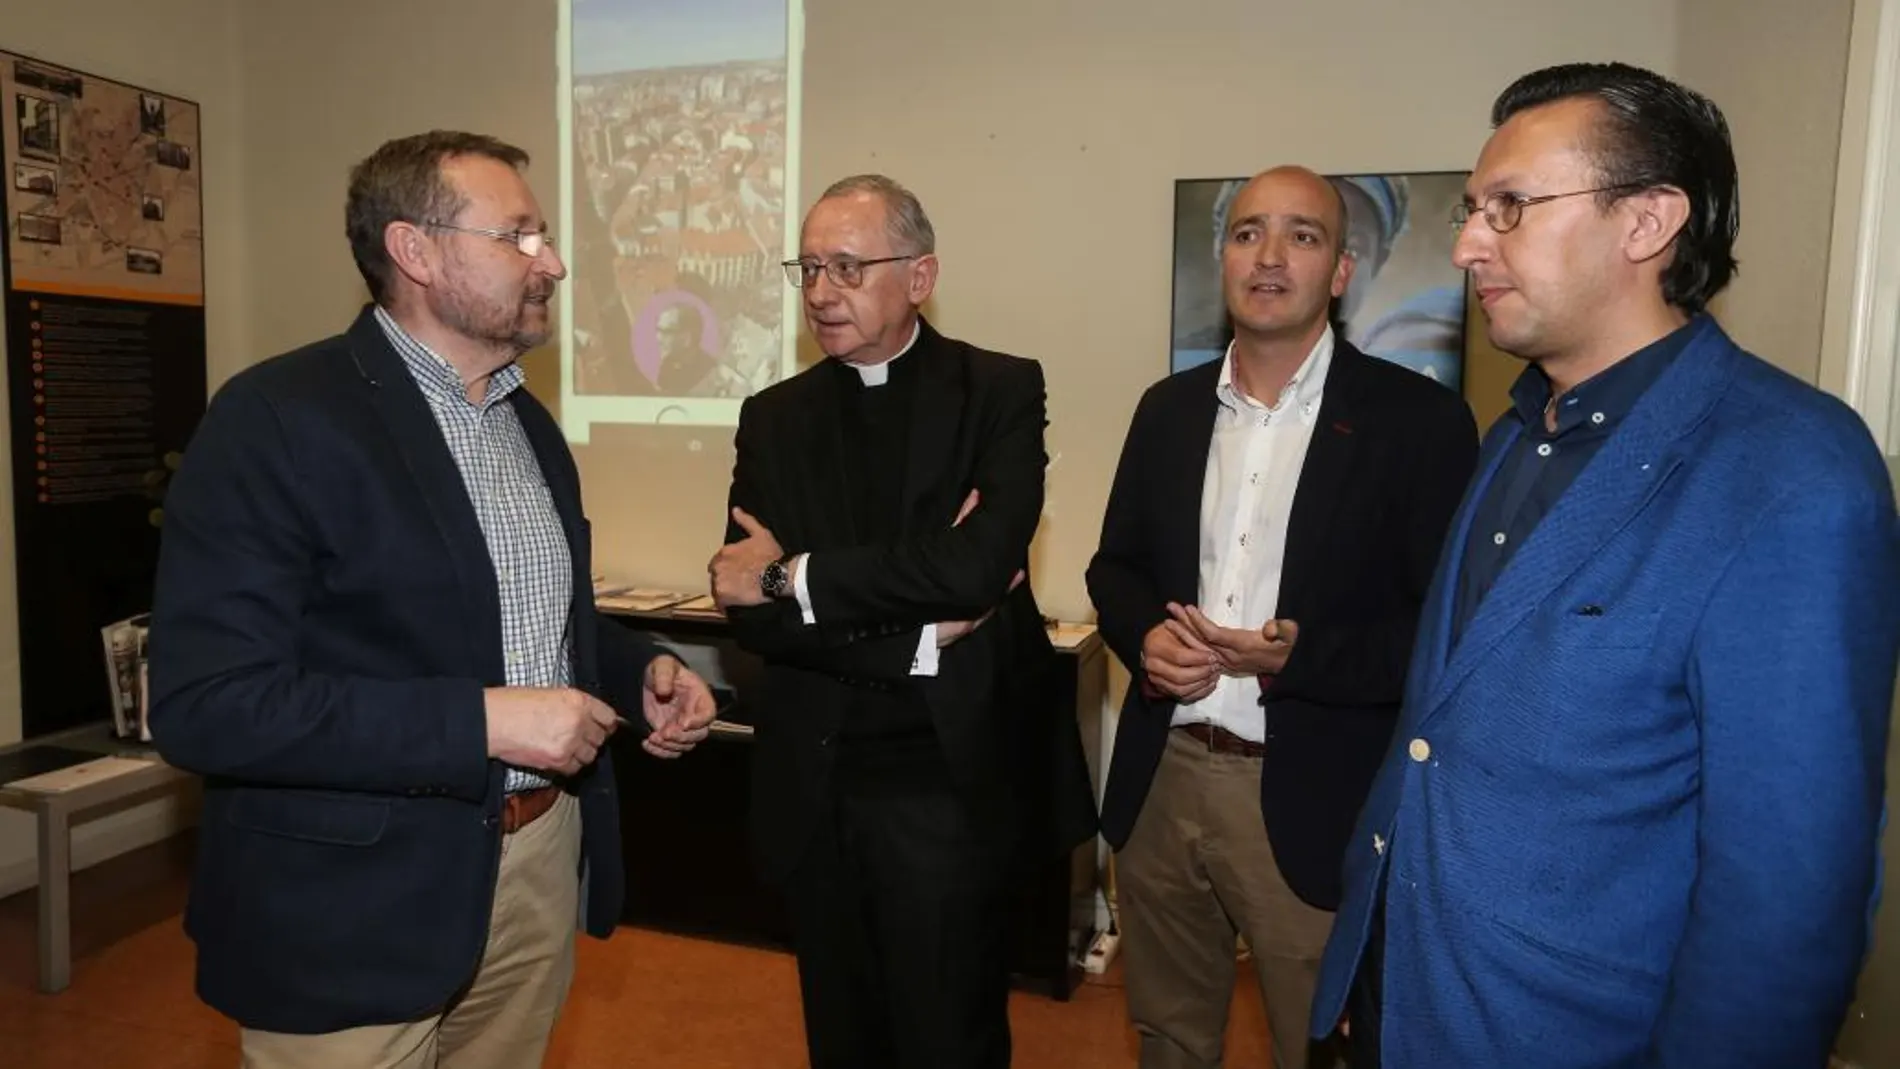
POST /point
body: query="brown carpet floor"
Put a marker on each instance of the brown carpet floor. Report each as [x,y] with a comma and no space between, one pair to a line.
[641,1000]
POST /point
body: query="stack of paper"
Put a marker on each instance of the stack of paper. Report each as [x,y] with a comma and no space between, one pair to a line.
[639,599]
[703,605]
[73,777]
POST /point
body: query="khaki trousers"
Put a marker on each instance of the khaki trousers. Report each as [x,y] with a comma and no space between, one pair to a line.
[503,1018]
[1198,871]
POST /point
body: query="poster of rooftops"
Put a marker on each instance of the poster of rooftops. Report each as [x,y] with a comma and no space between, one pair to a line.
[1406,302]
[680,163]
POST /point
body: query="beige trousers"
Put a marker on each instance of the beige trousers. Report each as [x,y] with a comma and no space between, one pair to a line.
[1198,871]
[502,1020]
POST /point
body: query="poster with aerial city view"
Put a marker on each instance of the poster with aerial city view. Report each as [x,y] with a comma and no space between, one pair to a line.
[681,162]
[105,358]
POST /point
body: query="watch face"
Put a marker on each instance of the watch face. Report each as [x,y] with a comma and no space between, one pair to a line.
[772,580]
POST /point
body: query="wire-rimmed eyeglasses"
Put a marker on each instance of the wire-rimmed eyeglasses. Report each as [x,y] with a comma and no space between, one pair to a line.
[531,242]
[843,273]
[1503,211]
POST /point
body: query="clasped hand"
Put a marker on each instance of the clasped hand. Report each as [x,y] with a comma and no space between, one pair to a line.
[1185,655]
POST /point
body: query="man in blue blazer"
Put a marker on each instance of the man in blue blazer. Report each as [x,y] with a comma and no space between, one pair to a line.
[1630,814]
[374,635]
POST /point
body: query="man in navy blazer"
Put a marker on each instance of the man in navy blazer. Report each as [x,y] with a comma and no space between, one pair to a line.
[374,635]
[1630,817]
[1267,543]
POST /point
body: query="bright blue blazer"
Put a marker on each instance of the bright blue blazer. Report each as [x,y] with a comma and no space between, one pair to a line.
[1631,817]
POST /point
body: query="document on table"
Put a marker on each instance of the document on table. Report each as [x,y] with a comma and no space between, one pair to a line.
[640,599]
[84,774]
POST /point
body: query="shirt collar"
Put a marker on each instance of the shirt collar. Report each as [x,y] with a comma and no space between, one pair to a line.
[1605,398]
[880,373]
[1303,389]
[437,378]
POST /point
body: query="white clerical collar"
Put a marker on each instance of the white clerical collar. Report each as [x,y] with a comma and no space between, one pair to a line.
[880,373]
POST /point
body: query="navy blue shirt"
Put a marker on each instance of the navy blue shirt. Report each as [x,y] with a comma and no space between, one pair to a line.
[1542,463]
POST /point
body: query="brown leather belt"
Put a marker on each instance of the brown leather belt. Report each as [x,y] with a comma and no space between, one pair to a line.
[525,807]
[1221,740]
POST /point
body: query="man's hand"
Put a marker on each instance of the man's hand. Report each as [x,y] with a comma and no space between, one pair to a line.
[952,630]
[1177,662]
[679,707]
[546,728]
[735,568]
[1241,652]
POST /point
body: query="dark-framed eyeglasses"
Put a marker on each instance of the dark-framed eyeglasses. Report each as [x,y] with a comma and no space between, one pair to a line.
[844,273]
[531,242]
[1503,211]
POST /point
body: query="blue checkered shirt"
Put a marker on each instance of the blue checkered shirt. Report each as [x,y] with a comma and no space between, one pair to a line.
[533,569]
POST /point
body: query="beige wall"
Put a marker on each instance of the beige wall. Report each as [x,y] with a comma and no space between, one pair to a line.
[1778,70]
[1045,152]
[326,83]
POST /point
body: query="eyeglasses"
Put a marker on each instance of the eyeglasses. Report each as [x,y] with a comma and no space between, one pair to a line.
[845,274]
[1503,211]
[531,242]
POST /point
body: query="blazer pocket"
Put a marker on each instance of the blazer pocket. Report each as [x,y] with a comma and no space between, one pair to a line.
[318,817]
[1593,625]
[1584,965]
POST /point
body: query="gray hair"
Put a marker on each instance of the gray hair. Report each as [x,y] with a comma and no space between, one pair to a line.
[905,221]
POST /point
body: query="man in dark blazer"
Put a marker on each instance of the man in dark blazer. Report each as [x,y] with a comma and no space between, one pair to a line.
[1268,540]
[374,635]
[882,507]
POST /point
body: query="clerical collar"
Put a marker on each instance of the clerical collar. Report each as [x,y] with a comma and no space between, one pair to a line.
[880,373]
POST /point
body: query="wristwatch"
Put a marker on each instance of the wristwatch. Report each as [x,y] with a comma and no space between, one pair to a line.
[776,580]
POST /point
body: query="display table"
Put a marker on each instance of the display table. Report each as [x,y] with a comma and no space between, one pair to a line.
[66,779]
[684,822]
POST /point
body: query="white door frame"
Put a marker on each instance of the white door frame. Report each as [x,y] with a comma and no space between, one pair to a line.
[1861,332]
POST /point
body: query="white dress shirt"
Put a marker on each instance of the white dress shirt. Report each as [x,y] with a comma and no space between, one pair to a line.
[925,662]
[1253,467]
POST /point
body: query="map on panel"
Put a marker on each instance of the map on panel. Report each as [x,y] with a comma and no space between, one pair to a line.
[104,198]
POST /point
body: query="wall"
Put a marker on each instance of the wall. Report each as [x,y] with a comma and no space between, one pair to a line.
[1778,70]
[1047,168]
[187,48]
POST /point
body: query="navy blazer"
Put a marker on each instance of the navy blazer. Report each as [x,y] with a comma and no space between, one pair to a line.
[325,620]
[1631,817]
[1390,453]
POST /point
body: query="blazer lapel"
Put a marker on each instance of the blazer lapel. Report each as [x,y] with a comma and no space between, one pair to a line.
[936,416]
[1434,627]
[399,403]
[551,455]
[1181,467]
[1628,471]
[1322,476]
